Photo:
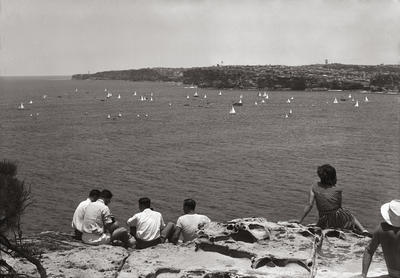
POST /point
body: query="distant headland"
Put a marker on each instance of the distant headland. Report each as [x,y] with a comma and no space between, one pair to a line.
[377,78]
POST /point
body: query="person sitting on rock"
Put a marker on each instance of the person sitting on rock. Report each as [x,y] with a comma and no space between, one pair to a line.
[77,219]
[189,223]
[148,226]
[329,203]
[99,225]
[387,234]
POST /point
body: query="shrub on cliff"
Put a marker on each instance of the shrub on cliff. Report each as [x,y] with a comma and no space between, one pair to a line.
[14,198]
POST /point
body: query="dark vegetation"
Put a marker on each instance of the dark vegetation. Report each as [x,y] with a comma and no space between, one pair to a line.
[14,198]
[272,77]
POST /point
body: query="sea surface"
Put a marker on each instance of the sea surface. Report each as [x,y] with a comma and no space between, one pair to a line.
[254,163]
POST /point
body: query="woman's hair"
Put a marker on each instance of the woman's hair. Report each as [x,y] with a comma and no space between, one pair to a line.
[327,174]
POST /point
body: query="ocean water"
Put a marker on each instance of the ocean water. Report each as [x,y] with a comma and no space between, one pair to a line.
[254,163]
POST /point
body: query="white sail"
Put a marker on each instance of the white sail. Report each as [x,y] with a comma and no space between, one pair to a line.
[21,106]
[290,111]
[288,101]
[259,94]
[265,94]
[256,103]
[119,96]
[220,93]
[286,116]
[232,111]
[30,102]
[205,96]
[262,101]
[356,105]
[134,93]
[119,115]
[267,97]
[335,100]
[108,116]
[366,99]
[196,94]
[349,95]
[240,101]
[187,97]
[241,96]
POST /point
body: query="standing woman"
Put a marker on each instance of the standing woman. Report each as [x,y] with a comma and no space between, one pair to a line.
[329,203]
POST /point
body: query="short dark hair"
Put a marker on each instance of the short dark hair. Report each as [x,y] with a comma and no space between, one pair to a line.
[106,194]
[94,193]
[189,203]
[327,174]
[145,202]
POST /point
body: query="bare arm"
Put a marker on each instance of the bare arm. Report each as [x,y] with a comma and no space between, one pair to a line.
[307,209]
[369,252]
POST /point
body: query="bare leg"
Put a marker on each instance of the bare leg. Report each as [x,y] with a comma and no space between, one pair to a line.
[122,235]
[360,227]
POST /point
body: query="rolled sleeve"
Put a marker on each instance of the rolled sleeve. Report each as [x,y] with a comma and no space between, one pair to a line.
[107,216]
[132,222]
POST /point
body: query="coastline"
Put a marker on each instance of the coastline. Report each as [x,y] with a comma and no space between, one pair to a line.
[247,247]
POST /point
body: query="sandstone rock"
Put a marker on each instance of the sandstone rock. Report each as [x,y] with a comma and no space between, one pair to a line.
[249,247]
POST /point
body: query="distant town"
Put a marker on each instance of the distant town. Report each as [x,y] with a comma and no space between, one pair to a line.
[318,77]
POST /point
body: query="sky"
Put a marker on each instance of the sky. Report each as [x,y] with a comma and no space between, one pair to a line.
[64,37]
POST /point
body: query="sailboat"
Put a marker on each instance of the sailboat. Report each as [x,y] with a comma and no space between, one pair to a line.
[232,111]
[141,98]
[109,95]
[76,90]
[349,95]
[356,105]
[335,101]
[187,97]
[108,116]
[267,97]
[286,116]
[290,111]
[220,93]
[265,94]
[119,115]
[256,103]
[134,93]
[196,94]
[288,101]
[259,94]
[205,96]
[119,96]
[21,106]
[151,98]
[366,99]
[262,101]
[241,96]
[30,102]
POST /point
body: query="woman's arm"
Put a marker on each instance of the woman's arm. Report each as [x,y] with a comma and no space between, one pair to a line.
[311,199]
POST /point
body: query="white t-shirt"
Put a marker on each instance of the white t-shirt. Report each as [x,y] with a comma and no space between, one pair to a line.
[77,219]
[189,223]
[148,224]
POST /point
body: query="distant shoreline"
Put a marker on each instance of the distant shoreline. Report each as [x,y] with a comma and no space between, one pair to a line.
[319,77]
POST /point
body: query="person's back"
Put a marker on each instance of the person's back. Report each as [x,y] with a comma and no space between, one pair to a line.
[78,217]
[327,198]
[148,224]
[388,236]
[190,224]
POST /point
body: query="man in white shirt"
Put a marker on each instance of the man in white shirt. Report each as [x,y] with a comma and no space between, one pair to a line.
[99,226]
[148,226]
[190,223]
[77,219]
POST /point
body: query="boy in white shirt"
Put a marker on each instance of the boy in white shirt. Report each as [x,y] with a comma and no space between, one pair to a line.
[148,226]
[190,223]
[77,219]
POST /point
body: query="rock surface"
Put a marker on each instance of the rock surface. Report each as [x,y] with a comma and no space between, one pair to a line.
[250,247]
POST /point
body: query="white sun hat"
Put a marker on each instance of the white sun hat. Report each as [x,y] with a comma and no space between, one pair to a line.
[391,213]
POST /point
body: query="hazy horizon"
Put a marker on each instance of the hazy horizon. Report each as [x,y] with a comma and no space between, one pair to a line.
[44,37]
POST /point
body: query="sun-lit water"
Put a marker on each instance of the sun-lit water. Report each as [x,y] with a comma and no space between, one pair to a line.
[254,163]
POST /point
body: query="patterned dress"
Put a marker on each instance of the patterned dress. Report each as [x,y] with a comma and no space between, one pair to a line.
[331,213]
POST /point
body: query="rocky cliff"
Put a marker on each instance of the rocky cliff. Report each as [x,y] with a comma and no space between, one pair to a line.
[251,247]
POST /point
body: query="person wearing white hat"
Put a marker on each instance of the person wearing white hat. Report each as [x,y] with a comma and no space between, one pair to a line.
[388,236]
